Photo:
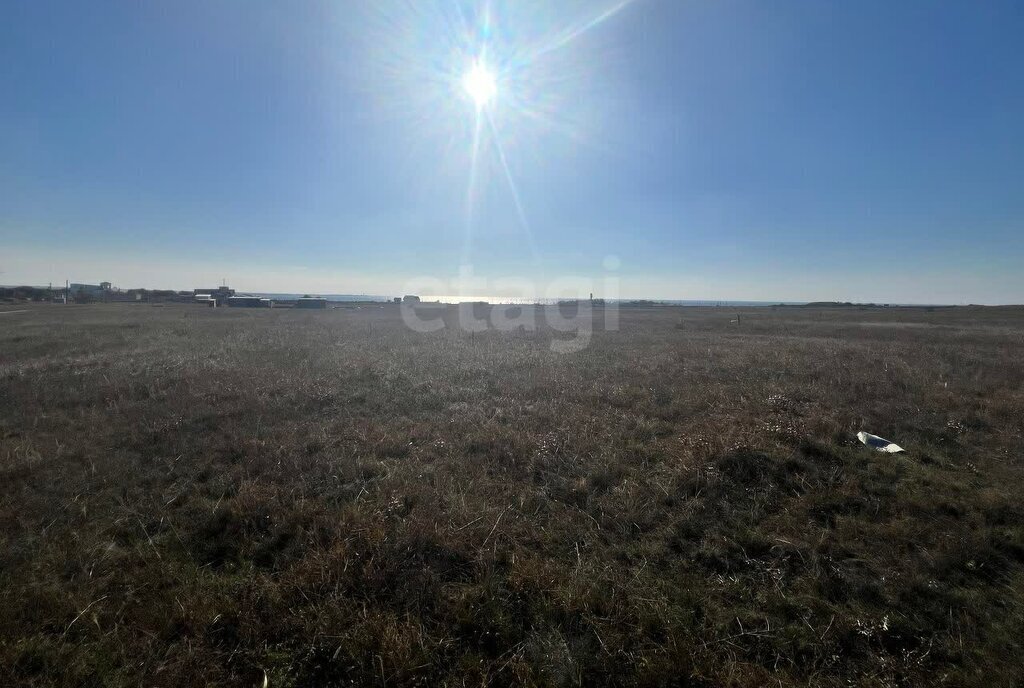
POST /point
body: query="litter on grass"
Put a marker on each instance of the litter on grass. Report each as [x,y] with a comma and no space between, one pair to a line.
[879,443]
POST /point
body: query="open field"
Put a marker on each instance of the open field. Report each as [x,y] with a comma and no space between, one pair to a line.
[192,496]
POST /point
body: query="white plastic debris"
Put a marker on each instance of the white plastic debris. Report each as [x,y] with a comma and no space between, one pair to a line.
[879,443]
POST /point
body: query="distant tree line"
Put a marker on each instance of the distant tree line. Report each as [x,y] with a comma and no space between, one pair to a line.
[27,293]
[24,293]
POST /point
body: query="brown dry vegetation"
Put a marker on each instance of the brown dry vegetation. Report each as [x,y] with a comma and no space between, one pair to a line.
[196,497]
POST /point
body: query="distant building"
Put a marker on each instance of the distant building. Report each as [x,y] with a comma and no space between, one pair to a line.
[90,289]
[218,294]
[311,302]
[249,302]
[85,293]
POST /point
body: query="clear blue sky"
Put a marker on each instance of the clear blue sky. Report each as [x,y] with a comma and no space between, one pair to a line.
[721,150]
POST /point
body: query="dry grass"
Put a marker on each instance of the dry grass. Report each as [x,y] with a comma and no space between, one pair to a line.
[196,497]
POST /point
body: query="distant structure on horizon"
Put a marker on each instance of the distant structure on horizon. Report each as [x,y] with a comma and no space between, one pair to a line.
[311,302]
[96,290]
[218,294]
[77,292]
[249,302]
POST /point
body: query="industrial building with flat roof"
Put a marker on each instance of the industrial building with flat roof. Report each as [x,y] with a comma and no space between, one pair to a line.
[218,294]
[249,302]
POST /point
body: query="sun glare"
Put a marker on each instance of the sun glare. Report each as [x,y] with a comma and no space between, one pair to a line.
[479,84]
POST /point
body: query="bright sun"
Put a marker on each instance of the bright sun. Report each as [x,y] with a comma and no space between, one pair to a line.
[479,84]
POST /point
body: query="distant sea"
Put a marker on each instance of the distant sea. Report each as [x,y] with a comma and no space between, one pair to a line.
[506,300]
[329,297]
